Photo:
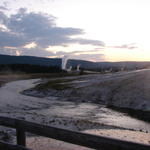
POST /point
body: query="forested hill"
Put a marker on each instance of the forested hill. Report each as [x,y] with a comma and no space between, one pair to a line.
[127,65]
[7,59]
[56,62]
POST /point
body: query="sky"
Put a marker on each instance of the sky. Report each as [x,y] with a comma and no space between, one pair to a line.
[94,30]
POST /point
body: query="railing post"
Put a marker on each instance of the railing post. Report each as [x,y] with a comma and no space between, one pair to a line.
[21,137]
[78,138]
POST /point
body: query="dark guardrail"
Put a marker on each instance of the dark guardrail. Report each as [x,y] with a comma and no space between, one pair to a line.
[78,138]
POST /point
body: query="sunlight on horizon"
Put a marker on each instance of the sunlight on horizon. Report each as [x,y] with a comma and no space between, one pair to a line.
[117,23]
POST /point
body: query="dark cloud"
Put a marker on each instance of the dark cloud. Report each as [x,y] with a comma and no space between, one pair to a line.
[3,8]
[126,46]
[38,51]
[84,55]
[12,39]
[87,41]
[3,18]
[8,51]
[91,57]
[24,27]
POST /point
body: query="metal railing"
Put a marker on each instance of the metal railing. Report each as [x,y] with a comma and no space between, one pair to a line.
[78,138]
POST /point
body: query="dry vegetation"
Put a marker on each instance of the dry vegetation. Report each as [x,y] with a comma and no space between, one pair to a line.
[125,90]
[58,84]
[7,77]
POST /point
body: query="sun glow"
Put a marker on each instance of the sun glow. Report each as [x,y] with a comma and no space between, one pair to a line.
[30,45]
[117,22]
[117,54]
[71,48]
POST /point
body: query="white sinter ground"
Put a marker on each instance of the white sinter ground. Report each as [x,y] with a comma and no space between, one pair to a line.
[80,116]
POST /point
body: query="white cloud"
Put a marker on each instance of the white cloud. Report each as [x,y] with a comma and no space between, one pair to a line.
[30,45]
[38,31]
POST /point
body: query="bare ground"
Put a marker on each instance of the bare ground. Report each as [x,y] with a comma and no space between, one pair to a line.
[125,89]
[71,114]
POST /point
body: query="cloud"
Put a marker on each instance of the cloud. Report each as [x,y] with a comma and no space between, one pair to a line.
[126,46]
[19,31]
[84,55]
[24,27]
[38,51]
[3,8]
[8,51]
[88,41]
[90,57]
[12,39]
[3,18]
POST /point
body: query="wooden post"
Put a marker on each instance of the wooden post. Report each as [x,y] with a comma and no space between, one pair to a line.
[21,138]
[8,146]
[78,138]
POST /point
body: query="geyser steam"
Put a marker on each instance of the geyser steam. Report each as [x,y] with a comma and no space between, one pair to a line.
[64,62]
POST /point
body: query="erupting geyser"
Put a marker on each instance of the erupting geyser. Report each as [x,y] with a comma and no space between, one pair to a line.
[64,63]
[78,67]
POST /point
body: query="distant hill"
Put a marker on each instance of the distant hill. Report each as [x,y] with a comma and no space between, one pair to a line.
[83,63]
[50,62]
[107,65]
[7,59]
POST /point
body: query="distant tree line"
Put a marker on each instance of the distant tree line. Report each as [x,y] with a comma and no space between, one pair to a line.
[28,68]
[110,69]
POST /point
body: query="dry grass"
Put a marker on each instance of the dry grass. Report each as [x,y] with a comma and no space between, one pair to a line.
[58,84]
[4,78]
